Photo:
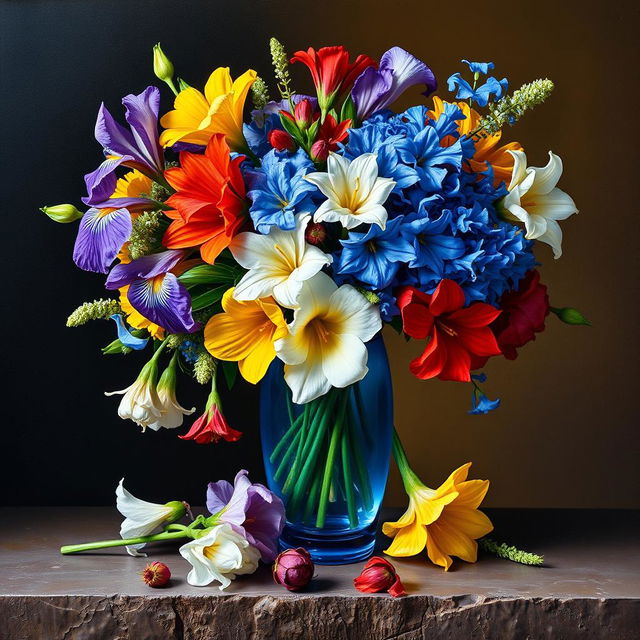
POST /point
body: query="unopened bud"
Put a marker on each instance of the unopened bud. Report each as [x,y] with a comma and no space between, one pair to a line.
[162,66]
[303,113]
[62,213]
[281,140]
[320,151]
[156,574]
[293,569]
[571,316]
[178,509]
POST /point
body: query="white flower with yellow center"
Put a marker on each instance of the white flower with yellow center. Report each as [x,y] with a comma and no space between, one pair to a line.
[535,200]
[325,347]
[355,193]
[278,263]
[172,413]
[220,555]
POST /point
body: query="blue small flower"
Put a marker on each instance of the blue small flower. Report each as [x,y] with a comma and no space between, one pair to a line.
[480,404]
[374,257]
[479,67]
[279,190]
[387,305]
[482,94]
[126,337]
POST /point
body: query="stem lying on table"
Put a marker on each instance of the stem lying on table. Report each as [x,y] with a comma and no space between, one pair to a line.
[103,544]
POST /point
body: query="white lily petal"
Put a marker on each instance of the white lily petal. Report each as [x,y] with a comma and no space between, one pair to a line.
[287,293]
[359,317]
[306,381]
[547,177]
[519,168]
[256,283]
[250,250]
[363,171]
[556,205]
[536,226]
[553,237]
[323,182]
[371,214]
[333,360]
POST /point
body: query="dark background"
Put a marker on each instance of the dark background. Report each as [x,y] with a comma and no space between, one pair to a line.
[566,434]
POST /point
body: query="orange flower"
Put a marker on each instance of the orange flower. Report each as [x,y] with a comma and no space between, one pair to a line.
[486,147]
[209,203]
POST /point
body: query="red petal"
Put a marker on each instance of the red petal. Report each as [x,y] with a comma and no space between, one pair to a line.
[458,363]
[478,314]
[417,322]
[432,360]
[447,297]
[480,341]
[397,588]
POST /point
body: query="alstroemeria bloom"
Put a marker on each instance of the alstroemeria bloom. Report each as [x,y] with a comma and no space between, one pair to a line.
[172,413]
[245,334]
[144,518]
[156,292]
[535,200]
[487,151]
[137,147]
[355,193]
[197,117]
[212,426]
[140,401]
[219,555]
[209,200]
[326,347]
[376,89]
[251,509]
[458,336]
[278,263]
[333,75]
[445,520]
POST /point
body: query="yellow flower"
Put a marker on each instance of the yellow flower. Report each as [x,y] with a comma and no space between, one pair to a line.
[446,520]
[132,185]
[245,334]
[197,117]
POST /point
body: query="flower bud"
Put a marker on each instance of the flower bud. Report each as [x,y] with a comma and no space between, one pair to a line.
[571,316]
[162,66]
[320,151]
[62,213]
[178,510]
[316,233]
[293,569]
[281,140]
[379,575]
[156,574]
[303,113]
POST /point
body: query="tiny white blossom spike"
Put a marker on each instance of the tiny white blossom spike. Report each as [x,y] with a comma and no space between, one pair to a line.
[278,263]
[355,193]
[535,200]
[221,554]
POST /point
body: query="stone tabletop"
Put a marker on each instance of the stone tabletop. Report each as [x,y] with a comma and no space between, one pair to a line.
[589,587]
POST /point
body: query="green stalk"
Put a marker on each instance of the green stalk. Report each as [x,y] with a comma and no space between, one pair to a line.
[303,443]
[363,475]
[312,498]
[103,544]
[409,479]
[283,441]
[285,459]
[328,468]
[348,480]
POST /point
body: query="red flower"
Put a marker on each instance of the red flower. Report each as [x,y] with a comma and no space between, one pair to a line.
[523,314]
[459,336]
[281,141]
[209,202]
[303,114]
[379,575]
[212,426]
[332,73]
[331,132]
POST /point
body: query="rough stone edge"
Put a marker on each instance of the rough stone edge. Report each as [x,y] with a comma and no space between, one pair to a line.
[244,617]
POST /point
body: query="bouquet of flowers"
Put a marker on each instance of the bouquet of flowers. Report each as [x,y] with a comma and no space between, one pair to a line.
[288,240]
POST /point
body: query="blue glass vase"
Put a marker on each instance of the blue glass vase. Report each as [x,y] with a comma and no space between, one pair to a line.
[328,460]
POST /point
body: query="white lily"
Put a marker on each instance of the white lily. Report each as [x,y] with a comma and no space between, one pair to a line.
[278,263]
[355,192]
[325,347]
[140,401]
[172,414]
[221,554]
[535,200]
[144,518]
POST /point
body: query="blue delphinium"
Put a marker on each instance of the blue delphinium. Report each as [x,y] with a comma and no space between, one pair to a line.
[374,257]
[278,190]
[481,94]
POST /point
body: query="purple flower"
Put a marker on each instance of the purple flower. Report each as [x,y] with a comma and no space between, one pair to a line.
[251,509]
[376,89]
[156,293]
[136,147]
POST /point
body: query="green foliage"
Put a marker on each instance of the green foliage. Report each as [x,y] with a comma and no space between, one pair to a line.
[146,234]
[503,550]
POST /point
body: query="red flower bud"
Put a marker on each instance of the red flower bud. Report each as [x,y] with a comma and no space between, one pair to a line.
[293,569]
[316,233]
[156,574]
[303,113]
[281,140]
[320,151]
[379,575]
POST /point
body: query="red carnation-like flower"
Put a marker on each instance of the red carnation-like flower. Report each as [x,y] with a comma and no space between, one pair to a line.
[212,426]
[459,336]
[333,74]
[209,202]
[379,575]
[331,132]
[523,315]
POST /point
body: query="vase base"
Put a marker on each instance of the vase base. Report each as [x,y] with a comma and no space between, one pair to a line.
[331,547]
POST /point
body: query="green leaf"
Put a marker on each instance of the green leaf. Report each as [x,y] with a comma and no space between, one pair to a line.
[209,274]
[348,111]
[230,370]
[182,85]
[206,299]
[312,131]
[115,347]
[292,129]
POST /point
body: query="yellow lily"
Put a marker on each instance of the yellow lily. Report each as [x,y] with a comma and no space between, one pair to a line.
[245,334]
[196,117]
[445,520]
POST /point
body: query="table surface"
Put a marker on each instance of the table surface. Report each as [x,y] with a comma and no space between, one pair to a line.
[588,554]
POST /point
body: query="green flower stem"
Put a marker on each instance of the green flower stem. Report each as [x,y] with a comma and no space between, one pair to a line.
[328,468]
[357,392]
[289,406]
[287,456]
[285,438]
[409,479]
[363,475]
[301,444]
[103,544]
[348,480]
[503,550]
[312,498]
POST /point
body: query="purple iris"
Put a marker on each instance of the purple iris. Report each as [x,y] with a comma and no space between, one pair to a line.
[136,147]
[156,293]
[376,89]
[251,509]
